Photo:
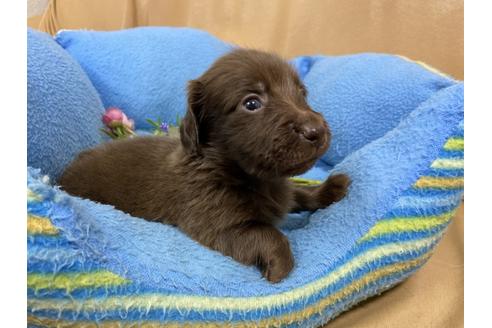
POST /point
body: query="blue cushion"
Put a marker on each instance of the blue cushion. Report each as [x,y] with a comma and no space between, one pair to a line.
[363,96]
[143,71]
[63,108]
[90,263]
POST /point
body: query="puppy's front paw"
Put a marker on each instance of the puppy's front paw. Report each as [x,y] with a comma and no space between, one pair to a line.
[278,264]
[334,189]
[278,268]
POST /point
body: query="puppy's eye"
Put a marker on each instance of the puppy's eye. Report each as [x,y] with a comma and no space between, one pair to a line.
[252,103]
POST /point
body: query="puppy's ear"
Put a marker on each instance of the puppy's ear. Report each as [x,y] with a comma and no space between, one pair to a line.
[190,125]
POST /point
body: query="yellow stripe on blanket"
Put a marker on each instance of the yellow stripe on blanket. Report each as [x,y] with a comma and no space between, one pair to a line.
[32,196]
[37,225]
[426,66]
[407,224]
[184,302]
[455,144]
[346,292]
[74,280]
[289,318]
[439,183]
[448,163]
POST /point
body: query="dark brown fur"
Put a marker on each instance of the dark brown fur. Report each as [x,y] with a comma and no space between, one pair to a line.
[225,183]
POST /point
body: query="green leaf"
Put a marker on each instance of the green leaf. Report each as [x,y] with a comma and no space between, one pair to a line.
[107,133]
[154,124]
[119,131]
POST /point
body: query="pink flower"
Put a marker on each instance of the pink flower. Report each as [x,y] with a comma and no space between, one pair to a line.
[112,116]
[118,125]
[128,123]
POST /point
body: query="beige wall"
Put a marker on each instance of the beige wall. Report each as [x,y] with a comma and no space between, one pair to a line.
[425,30]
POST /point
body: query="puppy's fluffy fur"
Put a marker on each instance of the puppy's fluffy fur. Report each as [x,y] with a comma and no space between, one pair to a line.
[225,183]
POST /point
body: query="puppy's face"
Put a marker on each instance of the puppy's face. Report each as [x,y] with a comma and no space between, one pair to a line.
[251,106]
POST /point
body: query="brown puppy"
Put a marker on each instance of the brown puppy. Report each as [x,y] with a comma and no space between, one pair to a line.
[247,129]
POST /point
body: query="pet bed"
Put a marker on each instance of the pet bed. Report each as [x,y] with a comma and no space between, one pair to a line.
[397,132]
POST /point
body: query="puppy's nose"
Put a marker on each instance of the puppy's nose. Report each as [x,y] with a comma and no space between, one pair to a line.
[311,133]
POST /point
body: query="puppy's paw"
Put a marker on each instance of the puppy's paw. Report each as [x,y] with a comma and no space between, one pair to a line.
[278,268]
[278,264]
[334,189]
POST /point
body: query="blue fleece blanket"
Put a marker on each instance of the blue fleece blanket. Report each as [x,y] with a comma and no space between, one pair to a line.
[397,131]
